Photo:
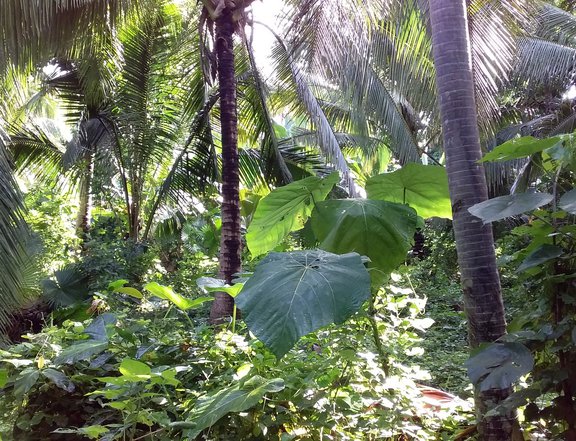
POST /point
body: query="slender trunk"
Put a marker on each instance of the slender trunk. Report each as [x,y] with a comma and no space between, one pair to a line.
[85,200]
[134,212]
[467,182]
[230,242]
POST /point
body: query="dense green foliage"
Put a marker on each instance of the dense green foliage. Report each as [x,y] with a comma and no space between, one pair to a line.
[348,322]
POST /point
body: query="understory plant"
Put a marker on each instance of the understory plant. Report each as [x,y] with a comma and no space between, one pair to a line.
[540,349]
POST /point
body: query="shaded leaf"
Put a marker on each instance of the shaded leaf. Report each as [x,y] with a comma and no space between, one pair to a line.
[59,379]
[3,377]
[423,187]
[240,397]
[568,201]
[25,381]
[285,209]
[510,205]
[293,294]
[97,329]
[80,351]
[499,365]
[543,253]
[520,148]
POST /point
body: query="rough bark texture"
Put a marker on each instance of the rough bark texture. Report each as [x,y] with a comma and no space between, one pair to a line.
[467,182]
[85,200]
[230,242]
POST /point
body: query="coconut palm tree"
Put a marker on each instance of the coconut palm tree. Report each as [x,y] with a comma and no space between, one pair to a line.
[474,241]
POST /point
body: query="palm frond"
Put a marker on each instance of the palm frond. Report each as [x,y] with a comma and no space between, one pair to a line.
[32,35]
[13,238]
[555,24]
[255,116]
[544,63]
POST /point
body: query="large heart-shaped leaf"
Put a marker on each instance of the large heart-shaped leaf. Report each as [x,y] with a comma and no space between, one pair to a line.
[520,148]
[510,205]
[423,187]
[293,294]
[499,365]
[382,231]
[284,210]
[237,398]
[568,201]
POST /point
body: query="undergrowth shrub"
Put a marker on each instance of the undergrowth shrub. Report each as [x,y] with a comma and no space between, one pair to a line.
[149,370]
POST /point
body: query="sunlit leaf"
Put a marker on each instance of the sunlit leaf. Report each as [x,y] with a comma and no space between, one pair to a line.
[520,148]
[132,292]
[135,370]
[423,187]
[167,293]
[117,284]
[284,210]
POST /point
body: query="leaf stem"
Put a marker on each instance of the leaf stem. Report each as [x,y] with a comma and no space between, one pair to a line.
[376,333]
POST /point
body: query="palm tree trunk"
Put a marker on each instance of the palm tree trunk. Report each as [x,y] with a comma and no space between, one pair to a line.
[85,200]
[474,242]
[230,242]
[134,211]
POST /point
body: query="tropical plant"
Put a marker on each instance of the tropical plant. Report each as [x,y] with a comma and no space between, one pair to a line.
[541,340]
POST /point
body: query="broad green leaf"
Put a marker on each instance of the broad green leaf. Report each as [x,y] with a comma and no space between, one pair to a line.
[568,201]
[3,377]
[25,380]
[499,365]
[285,210]
[59,379]
[167,293]
[511,205]
[520,148]
[132,292]
[293,294]
[80,351]
[238,398]
[134,369]
[423,187]
[543,253]
[97,330]
[382,231]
